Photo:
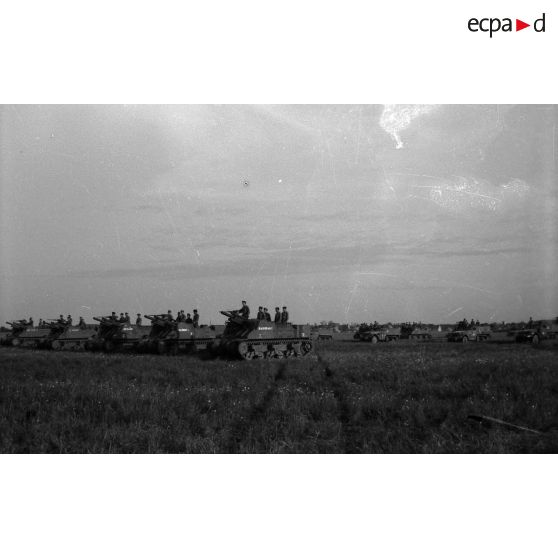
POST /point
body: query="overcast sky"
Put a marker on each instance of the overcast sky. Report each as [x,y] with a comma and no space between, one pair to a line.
[349,213]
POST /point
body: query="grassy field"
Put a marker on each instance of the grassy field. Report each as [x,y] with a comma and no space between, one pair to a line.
[347,397]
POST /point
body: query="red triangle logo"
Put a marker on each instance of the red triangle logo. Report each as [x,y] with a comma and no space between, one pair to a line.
[519,25]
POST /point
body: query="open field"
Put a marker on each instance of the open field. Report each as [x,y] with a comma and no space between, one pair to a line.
[347,397]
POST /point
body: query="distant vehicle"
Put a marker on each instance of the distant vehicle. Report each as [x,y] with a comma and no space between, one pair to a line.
[466,335]
[534,336]
[369,334]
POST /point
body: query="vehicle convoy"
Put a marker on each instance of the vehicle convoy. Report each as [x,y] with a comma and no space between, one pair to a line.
[534,335]
[465,335]
[171,337]
[114,335]
[249,339]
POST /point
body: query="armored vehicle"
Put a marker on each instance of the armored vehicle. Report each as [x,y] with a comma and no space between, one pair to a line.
[74,338]
[249,339]
[114,335]
[18,327]
[171,337]
[465,335]
[534,336]
[375,334]
[39,337]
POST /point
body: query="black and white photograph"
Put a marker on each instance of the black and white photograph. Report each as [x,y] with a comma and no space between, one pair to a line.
[279,278]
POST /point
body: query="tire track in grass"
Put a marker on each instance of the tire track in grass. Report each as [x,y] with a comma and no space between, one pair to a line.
[240,428]
[349,432]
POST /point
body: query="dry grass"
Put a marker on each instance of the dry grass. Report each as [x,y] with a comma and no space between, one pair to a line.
[349,397]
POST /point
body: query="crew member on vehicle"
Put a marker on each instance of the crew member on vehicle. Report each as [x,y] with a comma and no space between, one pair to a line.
[127,318]
[188,319]
[284,315]
[245,310]
[277,315]
[196,318]
[138,320]
[267,315]
[82,324]
[260,315]
[69,320]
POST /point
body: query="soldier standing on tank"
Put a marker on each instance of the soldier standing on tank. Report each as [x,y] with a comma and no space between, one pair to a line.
[30,322]
[82,324]
[188,319]
[284,315]
[127,318]
[244,312]
[69,320]
[267,315]
[113,317]
[122,319]
[138,320]
[260,315]
[196,318]
[169,316]
[277,315]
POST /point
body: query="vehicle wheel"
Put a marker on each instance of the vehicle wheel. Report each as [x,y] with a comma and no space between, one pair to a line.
[173,349]
[56,346]
[374,339]
[16,342]
[243,350]
[536,340]
[465,339]
[305,348]
[162,348]
[108,346]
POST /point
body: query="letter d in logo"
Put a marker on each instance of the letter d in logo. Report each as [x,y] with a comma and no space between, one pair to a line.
[539,24]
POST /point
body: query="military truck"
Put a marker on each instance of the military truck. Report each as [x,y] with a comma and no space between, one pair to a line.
[251,338]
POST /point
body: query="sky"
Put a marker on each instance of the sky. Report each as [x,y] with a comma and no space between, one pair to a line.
[347,213]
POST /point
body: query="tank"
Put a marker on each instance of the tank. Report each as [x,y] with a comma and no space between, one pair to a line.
[171,337]
[74,338]
[249,339]
[114,335]
[39,337]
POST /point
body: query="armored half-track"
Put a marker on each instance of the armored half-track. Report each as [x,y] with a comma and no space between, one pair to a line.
[113,335]
[476,334]
[249,339]
[172,337]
